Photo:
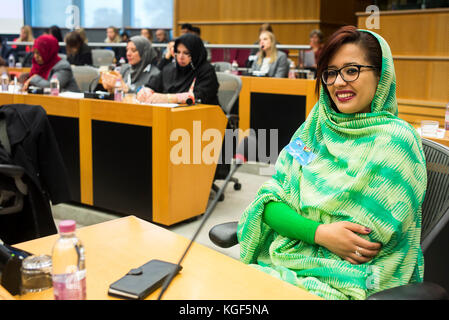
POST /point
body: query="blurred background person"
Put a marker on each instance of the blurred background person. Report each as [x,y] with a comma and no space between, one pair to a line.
[82,33]
[24,52]
[308,59]
[145,32]
[270,61]
[112,35]
[78,52]
[186,28]
[5,49]
[55,31]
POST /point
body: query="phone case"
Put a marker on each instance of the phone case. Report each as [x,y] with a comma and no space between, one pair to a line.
[140,282]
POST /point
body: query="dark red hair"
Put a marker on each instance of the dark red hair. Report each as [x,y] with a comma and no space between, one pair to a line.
[344,35]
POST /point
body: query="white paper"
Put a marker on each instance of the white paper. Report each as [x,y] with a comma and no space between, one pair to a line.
[74,95]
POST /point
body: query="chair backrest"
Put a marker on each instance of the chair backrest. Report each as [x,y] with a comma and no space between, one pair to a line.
[84,76]
[229,90]
[102,57]
[435,208]
[222,66]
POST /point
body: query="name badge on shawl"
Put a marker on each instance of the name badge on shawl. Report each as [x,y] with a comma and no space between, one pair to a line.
[300,152]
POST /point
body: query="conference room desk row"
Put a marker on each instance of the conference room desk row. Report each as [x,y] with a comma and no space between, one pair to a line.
[117,246]
[118,155]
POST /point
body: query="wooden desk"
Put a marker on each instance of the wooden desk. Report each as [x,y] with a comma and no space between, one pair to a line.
[118,154]
[275,103]
[115,247]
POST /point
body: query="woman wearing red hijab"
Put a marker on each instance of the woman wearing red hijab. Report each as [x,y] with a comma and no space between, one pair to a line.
[46,64]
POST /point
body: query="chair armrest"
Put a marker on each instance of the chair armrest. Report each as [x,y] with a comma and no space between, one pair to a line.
[413,291]
[224,235]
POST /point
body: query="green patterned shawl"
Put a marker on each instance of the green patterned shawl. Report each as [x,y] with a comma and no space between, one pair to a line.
[370,169]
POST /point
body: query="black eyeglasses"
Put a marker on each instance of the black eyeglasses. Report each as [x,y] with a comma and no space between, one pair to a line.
[347,73]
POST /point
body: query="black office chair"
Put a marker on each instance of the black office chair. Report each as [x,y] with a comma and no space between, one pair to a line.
[435,216]
[228,92]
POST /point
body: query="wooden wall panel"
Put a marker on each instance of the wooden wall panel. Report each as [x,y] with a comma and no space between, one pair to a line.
[419,32]
[238,22]
[422,79]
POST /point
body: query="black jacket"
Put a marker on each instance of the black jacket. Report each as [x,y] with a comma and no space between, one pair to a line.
[83,56]
[34,147]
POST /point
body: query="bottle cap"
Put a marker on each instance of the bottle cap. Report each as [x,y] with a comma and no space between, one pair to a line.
[66,226]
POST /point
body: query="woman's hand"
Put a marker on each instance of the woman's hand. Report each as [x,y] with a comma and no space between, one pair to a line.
[341,238]
[109,79]
[26,84]
[144,95]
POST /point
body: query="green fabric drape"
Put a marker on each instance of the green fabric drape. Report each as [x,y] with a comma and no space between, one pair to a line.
[370,169]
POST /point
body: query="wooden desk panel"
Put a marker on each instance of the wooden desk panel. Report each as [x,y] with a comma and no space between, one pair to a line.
[115,247]
[303,87]
[179,191]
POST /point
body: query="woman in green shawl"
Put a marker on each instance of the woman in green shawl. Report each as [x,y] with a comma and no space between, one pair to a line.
[341,217]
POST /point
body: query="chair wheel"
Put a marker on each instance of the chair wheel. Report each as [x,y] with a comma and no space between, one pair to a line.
[221,198]
[237,186]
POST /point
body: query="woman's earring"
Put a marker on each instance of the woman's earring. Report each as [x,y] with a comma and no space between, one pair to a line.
[191,64]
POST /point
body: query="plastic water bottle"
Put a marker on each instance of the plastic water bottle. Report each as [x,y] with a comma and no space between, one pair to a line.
[11,61]
[54,86]
[118,91]
[5,82]
[291,72]
[446,118]
[69,264]
[235,67]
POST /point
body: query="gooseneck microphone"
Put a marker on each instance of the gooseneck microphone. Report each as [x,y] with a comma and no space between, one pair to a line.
[241,157]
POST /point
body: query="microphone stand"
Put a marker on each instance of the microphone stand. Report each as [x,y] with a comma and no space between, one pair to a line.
[209,210]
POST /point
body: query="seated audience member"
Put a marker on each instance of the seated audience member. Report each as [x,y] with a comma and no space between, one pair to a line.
[263,27]
[3,67]
[47,63]
[169,55]
[55,31]
[78,53]
[316,43]
[270,61]
[139,69]
[186,28]
[145,32]
[341,216]
[190,77]
[5,49]
[82,33]
[161,36]
[112,35]
[124,36]
[26,35]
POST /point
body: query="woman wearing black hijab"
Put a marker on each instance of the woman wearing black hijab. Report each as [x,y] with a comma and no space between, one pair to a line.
[191,77]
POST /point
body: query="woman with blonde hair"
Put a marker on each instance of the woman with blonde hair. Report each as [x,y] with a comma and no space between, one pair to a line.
[270,61]
[26,35]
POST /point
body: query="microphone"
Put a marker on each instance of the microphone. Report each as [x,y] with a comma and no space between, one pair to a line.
[241,156]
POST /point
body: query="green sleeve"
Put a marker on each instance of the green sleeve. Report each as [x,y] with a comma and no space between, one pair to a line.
[288,223]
